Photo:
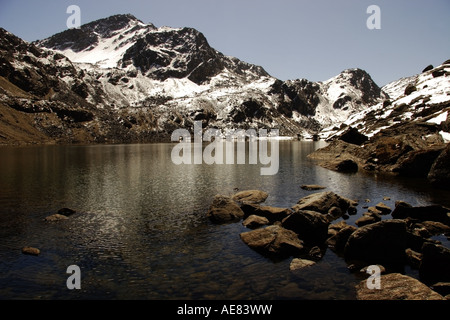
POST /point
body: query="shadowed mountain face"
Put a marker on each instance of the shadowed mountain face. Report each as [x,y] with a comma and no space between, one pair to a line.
[121,80]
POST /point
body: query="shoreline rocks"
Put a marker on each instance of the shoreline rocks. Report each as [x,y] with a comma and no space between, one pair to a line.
[223,209]
[305,231]
[56,217]
[413,149]
[297,264]
[312,187]
[323,202]
[382,242]
[310,226]
[273,241]
[250,196]
[395,286]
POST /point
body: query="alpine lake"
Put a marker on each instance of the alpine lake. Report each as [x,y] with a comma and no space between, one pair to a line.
[140,229]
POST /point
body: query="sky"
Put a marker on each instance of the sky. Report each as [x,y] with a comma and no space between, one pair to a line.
[290,39]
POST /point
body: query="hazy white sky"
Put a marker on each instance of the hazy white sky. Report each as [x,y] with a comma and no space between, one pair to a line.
[291,39]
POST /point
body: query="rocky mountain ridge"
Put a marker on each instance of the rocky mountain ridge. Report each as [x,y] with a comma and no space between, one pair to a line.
[407,135]
[119,80]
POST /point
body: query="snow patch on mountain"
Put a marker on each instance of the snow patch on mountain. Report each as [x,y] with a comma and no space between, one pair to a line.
[109,50]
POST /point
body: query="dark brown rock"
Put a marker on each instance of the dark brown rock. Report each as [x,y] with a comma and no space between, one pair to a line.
[322,202]
[374,210]
[418,163]
[367,218]
[56,217]
[271,213]
[410,89]
[384,209]
[66,212]
[311,226]
[223,209]
[414,258]
[435,265]
[338,241]
[312,187]
[250,196]
[442,288]
[428,68]
[31,251]
[273,241]
[353,136]
[434,227]
[254,222]
[426,213]
[439,174]
[382,242]
[298,264]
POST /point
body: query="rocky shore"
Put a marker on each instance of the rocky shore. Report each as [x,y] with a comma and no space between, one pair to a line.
[412,149]
[389,238]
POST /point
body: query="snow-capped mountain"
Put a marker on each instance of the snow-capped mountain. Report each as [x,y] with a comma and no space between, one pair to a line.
[424,97]
[121,80]
[124,42]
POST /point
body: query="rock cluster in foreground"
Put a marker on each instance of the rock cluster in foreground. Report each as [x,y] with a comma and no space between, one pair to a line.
[305,231]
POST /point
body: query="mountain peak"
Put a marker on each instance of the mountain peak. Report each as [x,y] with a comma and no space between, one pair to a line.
[89,35]
[112,23]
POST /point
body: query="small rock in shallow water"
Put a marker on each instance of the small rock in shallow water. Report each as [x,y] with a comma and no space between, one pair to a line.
[298,264]
[56,217]
[274,241]
[66,212]
[31,251]
[223,209]
[250,196]
[311,187]
[384,209]
[254,222]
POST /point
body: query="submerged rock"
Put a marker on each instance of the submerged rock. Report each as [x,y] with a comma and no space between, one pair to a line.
[273,241]
[384,209]
[56,217]
[255,221]
[271,213]
[368,218]
[250,196]
[338,241]
[223,209]
[297,264]
[312,187]
[66,212]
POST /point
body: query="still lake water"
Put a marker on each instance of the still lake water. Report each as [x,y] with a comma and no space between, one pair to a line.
[140,230]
